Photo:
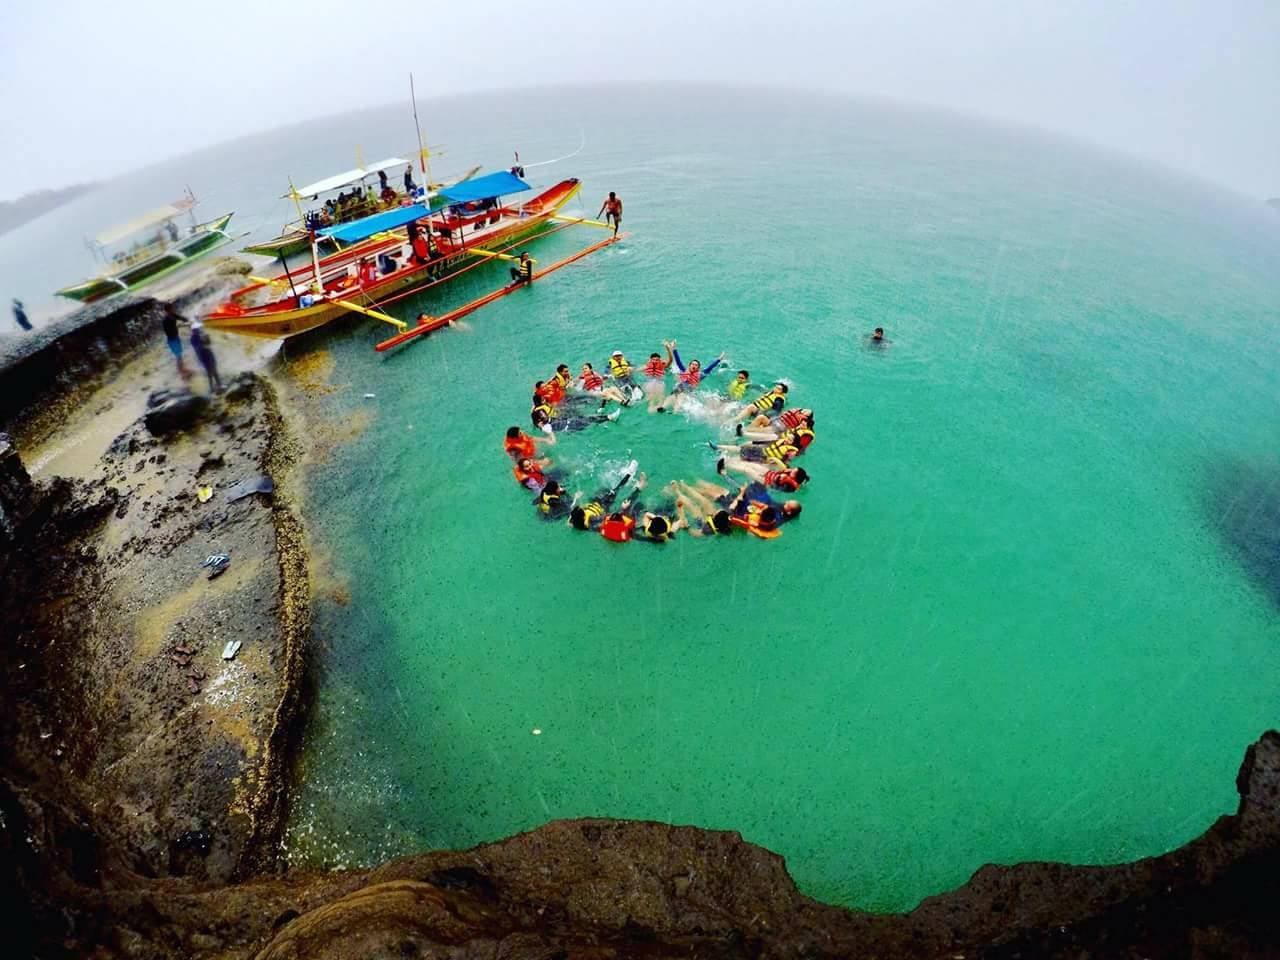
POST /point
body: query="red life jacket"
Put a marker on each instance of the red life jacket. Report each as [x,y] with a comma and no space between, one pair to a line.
[791,419]
[655,368]
[519,447]
[591,380]
[524,476]
[691,377]
[551,391]
[420,247]
[619,530]
[803,437]
[781,480]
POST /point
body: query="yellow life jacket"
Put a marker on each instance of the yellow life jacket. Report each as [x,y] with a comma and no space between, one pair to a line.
[561,379]
[662,536]
[592,512]
[619,367]
[737,389]
[546,408]
[546,501]
[766,402]
[780,450]
[799,432]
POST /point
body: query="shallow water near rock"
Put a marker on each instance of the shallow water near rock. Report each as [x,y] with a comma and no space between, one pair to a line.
[1008,626]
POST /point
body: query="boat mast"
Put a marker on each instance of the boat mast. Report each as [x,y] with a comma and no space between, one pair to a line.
[422,150]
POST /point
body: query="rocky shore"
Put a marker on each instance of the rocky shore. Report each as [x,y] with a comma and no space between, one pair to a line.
[153,701]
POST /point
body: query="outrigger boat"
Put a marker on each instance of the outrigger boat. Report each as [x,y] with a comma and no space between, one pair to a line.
[396,254]
[165,248]
[295,236]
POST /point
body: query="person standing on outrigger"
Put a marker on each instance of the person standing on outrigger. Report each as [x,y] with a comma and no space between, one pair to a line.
[612,210]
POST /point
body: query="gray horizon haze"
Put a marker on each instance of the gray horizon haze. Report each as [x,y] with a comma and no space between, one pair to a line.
[92,91]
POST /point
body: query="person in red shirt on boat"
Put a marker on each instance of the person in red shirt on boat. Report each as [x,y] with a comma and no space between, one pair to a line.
[612,210]
[368,270]
[655,373]
[520,446]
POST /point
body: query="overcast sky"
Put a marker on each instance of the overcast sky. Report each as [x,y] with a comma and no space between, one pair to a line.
[91,89]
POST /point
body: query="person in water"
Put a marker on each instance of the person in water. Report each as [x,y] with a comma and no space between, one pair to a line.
[544,417]
[620,369]
[801,434]
[592,382]
[689,377]
[655,374]
[878,339]
[519,445]
[771,401]
[766,428]
[531,473]
[522,272]
[775,452]
[737,388]
[589,515]
[787,479]
[550,501]
[713,517]
[612,210]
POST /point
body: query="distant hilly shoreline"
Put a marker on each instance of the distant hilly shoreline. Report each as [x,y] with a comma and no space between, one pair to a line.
[14,213]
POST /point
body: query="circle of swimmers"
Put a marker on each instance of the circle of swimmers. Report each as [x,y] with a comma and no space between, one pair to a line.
[768,434]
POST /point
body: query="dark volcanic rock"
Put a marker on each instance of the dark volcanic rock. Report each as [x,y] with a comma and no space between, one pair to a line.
[170,411]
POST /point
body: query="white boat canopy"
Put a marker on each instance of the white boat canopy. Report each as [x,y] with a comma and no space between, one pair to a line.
[340,180]
[148,219]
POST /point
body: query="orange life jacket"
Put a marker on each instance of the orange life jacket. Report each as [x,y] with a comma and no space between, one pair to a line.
[519,447]
[524,476]
[591,380]
[751,522]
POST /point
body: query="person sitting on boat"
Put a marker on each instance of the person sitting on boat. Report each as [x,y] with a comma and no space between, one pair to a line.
[612,210]
[518,444]
[388,196]
[368,270]
[173,231]
[410,187]
[522,272]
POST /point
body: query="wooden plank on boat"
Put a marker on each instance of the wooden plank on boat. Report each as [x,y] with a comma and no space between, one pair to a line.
[435,323]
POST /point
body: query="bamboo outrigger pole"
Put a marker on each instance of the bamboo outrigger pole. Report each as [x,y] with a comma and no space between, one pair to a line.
[435,323]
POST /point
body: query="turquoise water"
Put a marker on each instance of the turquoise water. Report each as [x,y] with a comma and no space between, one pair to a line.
[1016,620]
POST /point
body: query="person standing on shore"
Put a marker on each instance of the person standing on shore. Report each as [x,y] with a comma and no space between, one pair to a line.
[20,315]
[170,324]
[612,210]
[204,353]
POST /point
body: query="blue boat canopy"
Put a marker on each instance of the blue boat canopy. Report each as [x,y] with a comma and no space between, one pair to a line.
[485,188]
[379,222]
